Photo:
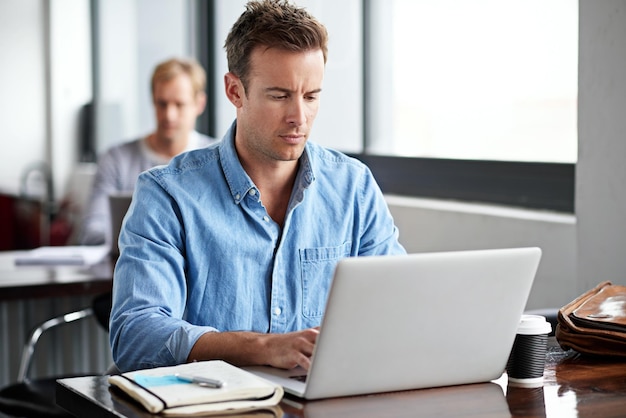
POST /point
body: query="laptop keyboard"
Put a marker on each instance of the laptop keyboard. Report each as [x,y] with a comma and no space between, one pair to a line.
[299,378]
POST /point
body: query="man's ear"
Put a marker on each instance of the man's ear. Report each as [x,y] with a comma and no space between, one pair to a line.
[234,89]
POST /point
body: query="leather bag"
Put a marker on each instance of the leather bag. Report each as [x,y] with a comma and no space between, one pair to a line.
[595,322]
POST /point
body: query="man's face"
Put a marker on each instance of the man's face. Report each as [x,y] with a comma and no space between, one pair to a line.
[176,108]
[276,113]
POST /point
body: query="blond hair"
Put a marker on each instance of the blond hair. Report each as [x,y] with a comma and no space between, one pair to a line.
[171,68]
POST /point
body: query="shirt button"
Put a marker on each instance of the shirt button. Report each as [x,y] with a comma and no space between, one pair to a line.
[277,311]
[266,219]
[237,197]
[252,192]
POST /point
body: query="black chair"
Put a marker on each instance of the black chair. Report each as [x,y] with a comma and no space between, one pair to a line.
[36,397]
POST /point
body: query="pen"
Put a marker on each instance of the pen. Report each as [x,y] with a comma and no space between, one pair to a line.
[201,381]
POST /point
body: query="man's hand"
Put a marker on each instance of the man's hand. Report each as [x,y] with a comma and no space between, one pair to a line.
[287,351]
[284,351]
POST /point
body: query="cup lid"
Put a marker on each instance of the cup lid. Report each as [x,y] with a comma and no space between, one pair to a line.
[533,324]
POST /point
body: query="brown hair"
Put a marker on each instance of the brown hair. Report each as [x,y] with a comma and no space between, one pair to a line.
[272,24]
[171,68]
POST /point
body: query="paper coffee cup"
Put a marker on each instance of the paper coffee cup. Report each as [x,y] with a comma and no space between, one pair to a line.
[528,355]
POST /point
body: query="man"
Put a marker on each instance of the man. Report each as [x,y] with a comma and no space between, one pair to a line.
[178,96]
[228,252]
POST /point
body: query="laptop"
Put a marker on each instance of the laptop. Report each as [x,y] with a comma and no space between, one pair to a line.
[415,321]
[118,206]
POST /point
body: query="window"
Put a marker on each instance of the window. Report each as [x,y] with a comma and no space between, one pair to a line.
[484,79]
[481,95]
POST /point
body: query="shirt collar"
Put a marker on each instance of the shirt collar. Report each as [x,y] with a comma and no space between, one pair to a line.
[238,180]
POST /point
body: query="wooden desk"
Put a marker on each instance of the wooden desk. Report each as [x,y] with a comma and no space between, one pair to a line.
[22,282]
[574,387]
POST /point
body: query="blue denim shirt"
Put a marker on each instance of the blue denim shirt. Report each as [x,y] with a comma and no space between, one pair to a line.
[199,252]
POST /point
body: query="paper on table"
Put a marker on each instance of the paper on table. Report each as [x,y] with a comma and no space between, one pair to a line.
[63,255]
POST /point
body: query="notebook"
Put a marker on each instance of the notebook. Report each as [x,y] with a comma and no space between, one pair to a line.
[118,206]
[415,321]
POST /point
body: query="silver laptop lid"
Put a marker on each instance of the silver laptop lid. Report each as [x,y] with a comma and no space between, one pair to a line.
[421,320]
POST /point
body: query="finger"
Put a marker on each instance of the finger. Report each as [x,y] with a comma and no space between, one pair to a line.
[305,362]
[311,334]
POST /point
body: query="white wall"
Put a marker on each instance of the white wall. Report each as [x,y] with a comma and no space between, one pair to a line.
[23,89]
[601,168]
[431,225]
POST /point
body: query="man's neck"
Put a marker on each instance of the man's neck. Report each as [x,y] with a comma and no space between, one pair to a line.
[275,184]
[167,147]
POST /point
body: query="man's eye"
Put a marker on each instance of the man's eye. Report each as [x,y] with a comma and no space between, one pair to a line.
[282,97]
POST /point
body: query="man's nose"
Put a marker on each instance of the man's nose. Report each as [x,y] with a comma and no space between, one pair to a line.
[297,112]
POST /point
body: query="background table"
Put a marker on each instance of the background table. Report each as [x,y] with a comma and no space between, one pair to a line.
[21,282]
[30,295]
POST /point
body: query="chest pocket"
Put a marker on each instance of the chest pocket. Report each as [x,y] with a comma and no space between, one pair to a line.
[318,267]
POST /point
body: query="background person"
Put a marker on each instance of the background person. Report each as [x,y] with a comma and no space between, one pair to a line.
[178,96]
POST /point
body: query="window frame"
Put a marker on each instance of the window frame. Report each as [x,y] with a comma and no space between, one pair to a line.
[544,186]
